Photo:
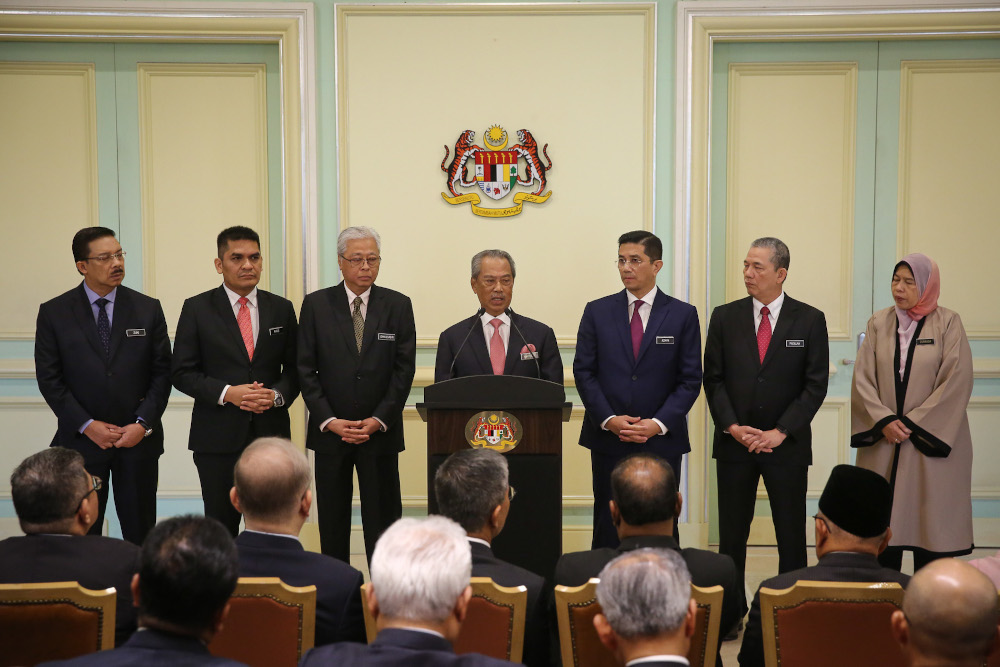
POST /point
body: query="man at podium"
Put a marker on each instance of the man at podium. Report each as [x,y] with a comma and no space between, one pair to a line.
[496,340]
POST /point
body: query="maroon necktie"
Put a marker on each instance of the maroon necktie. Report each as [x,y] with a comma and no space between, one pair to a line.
[636,327]
[763,333]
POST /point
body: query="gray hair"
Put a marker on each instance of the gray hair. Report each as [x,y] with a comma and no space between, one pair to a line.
[270,477]
[47,488]
[469,485]
[477,261]
[780,256]
[645,593]
[357,234]
[420,568]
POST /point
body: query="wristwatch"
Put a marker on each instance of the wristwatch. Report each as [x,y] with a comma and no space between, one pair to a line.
[279,400]
[782,430]
[149,430]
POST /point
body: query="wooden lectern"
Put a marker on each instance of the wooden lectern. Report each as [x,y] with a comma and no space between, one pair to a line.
[532,536]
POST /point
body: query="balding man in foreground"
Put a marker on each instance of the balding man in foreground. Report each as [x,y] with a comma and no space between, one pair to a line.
[949,616]
[647,612]
[272,492]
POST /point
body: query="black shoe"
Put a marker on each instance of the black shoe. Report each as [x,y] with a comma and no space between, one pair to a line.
[734,633]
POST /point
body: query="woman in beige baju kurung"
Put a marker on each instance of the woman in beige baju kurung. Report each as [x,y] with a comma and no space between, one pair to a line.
[911,387]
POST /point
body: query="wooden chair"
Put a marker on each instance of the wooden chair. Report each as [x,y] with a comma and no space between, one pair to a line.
[54,621]
[270,624]
[581,647]
[820,624]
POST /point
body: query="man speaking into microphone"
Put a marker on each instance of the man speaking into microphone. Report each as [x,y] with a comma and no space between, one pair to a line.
[496,340]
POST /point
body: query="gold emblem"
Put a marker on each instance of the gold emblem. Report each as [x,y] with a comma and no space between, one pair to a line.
[496,430]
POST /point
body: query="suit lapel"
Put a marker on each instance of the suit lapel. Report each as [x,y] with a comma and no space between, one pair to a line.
[84,314]
[343,318]
[223,308]
[479,349]
[789,311]
[623,324]
[373,319]
[747,330]
[123,310]
[265,317]
[657,313]
[514,345]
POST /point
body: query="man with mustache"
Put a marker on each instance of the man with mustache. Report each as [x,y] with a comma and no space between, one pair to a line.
[102,362]
[234,353]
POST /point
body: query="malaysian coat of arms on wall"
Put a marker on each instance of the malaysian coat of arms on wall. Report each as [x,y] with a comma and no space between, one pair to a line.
[498,171]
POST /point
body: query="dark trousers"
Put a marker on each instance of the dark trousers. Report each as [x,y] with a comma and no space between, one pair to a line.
[135,482]
[605,533]
[215,470]
[378,482]
[892,557]
[786,491]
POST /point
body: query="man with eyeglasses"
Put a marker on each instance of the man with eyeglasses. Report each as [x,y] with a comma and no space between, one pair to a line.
[102,361]
[234,353]
[56,504]
[506,343]
[356,358]
[638,371]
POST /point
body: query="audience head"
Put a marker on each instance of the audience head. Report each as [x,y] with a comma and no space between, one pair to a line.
[272,479]
[187,572]
[53,493]
[854,512]
[472,489]
[644,494]
[949,617]
[646,605]
[420,575]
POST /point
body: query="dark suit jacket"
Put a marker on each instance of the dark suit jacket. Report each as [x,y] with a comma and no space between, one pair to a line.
[339,616]
[836,566]
[786,390]
[339,382]
[707,569]
[394,647]
[93,561]
[209,353]
[79,382]
[152,648]
[663,383]
[537,649]
[474,359]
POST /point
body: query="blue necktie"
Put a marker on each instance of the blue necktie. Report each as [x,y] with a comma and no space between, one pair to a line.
[103,325]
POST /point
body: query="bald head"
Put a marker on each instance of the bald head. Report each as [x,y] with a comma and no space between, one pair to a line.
[950,612]
[644,489]
[271,479]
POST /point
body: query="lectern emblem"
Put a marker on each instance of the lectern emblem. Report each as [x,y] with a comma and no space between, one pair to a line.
[499,431]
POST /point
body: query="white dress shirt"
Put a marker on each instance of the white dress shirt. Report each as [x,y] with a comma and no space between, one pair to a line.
[503,330]
[773,310]
[234,300]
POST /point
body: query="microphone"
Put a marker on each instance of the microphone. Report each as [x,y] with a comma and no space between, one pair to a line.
[475,321]
[534,354]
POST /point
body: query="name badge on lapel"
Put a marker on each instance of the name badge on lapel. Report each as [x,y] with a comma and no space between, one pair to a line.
[387,336]
[664,340]
[275,330]
[528,352]
[131,333]
[925,341]
[795,343]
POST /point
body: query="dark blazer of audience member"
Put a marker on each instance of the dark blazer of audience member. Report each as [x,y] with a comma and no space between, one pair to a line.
[102,362]
[418,595]
[242,386]
[272,491]
[647,612]
[644,502]
[521,341]
[472,489]
[56,503]
[852,529]
[187,574]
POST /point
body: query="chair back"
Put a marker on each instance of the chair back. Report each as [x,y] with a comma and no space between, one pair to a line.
[270,624]
[707,621]
[494,623]
[820,623]
[54,621]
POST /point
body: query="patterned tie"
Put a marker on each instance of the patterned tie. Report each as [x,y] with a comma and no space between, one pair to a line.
[497,356]
[763,333]
[246,327]
[636,327]
[103,325]
[359,322]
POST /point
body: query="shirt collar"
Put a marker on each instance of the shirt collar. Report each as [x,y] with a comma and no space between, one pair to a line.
[351,295]
[261,532]
[659,658]
[503,317]
[773,308]
[93,296]
[647,298]
[234,297]
[478,541]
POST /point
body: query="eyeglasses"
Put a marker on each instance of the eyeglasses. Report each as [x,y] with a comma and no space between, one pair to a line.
[96,484]
[635,263]
[823,519]
[356,262]
[511,492]
[506,281]
[104,259]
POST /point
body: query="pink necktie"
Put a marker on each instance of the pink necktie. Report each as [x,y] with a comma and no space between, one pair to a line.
[497,355]
[246,328]
[763,333]
[636,326]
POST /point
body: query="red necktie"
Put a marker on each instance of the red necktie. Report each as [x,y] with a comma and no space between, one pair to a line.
[497,355]
[636,327]
[763,333]
[246,328]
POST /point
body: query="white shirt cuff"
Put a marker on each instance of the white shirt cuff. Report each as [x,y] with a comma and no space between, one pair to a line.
[322,427]
[663,429]
[382,423]
[604,424]
[222,396]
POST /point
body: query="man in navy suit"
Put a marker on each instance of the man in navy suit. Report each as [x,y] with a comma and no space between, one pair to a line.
[102,361]
[234,353]
[638,371]
[272,491]
[418,596]
[497,341]
[766,370]
[656,626]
